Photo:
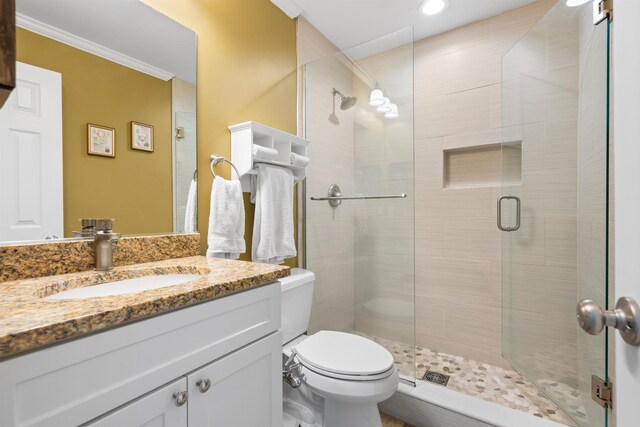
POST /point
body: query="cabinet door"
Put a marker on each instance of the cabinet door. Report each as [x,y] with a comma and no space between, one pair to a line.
[244,388]
[158,408]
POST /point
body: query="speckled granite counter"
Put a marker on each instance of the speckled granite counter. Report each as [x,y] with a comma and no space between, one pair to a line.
[28,320]
[51,257]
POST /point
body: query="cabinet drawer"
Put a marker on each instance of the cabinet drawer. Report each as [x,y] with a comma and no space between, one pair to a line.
[72,383]
[157,408]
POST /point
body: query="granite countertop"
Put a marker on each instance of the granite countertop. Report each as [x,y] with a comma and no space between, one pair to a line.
[29,320]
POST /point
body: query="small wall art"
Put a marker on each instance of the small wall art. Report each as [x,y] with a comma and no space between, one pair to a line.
[101,140]
[141,136]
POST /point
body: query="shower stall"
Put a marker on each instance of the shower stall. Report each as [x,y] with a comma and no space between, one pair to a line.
[475,211]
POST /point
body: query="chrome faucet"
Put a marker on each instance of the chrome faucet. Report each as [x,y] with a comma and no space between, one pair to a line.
[103,240]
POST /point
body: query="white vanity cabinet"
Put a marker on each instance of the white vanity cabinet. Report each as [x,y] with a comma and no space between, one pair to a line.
[127,376]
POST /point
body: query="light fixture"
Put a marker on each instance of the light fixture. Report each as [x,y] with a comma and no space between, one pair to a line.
[376,98]
[393,113]
[433,7]
[574,3]
[386,107]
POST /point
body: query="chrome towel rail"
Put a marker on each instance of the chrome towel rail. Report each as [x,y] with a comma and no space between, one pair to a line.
[335,197]
[216,160]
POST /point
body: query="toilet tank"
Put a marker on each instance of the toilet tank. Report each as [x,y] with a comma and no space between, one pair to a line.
[297,294]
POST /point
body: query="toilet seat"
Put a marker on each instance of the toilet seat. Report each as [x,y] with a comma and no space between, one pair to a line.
[345,356]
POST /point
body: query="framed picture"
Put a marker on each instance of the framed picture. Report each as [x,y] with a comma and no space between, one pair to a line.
[141,136]
[101,140]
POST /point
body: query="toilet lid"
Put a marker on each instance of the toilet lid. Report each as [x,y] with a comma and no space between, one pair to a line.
[345,354]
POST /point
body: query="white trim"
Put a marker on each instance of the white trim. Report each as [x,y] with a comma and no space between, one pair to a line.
[289,7]
[626,128]
[62,36]
[433,405]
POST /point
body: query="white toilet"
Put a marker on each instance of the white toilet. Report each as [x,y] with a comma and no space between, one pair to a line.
[345,375]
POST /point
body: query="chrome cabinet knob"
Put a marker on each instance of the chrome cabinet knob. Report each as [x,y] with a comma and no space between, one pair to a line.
[625,318]
[203,385]
[181,397]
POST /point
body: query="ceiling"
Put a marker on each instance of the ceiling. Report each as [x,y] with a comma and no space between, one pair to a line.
[348,23]
[128,27]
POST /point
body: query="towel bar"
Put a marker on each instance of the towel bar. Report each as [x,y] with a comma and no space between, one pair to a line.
[335,197]
[216,160]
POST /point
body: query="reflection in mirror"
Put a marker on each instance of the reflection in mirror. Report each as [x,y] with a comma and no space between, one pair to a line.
[102,122]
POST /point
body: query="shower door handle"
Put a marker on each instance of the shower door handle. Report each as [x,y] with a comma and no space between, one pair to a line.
[499,216]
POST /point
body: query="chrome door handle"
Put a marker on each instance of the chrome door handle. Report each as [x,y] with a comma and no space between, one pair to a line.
[499,216]
[625,318]
[203,385]
[181,397]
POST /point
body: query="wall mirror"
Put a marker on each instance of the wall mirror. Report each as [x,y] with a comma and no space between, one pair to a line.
[102,122]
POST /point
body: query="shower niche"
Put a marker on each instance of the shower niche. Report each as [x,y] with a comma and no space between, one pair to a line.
[483,166]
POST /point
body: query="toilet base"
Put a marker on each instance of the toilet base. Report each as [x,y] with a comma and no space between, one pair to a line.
[339,414]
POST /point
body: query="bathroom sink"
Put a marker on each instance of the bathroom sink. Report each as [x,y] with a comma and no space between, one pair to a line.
[127,286]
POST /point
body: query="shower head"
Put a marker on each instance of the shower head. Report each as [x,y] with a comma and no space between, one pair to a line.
[346,102]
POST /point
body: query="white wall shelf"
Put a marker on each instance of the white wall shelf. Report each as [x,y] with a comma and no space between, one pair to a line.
[245,135]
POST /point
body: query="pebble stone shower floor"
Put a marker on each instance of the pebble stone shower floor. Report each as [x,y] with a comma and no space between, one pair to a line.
[505,387]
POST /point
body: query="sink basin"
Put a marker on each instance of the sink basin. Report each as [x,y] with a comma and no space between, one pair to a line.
[128,286]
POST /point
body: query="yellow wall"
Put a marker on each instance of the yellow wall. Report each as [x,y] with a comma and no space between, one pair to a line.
[246,71]
[135,186]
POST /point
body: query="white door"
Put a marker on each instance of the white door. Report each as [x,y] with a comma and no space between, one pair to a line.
[626,131]
[156,409]
[31,157]
[240,390]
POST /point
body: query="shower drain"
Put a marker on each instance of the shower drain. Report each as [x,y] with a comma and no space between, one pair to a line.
[436,378]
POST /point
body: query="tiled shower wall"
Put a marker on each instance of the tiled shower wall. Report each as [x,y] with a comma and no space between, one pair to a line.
[459,101]
[458,104]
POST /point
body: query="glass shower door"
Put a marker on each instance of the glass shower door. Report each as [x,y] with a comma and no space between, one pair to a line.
[362,250]
[555,216]
[184,170]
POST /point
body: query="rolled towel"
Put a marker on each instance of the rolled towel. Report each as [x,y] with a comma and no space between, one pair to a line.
[299,161]
[264,153]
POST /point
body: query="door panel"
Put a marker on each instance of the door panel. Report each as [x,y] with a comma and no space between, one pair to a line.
[31,157]
[626,128]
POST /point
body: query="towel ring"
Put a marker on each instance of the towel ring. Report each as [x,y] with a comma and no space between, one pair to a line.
[216,160]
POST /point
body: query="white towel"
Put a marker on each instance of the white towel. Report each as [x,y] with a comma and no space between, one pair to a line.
[299,161]
[190,214]
[273,223]
[226,220]
[253,188]
[264,153]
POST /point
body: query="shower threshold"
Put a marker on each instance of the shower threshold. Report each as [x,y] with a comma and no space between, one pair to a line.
[494,384]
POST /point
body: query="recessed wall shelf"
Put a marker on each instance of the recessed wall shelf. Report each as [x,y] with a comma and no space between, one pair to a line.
[489,165]
[245,135]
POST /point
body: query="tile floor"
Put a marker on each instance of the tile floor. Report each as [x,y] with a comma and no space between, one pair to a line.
[494,384]
[389,421]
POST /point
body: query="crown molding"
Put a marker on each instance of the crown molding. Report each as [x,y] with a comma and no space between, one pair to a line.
[289,7]
[62,36]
